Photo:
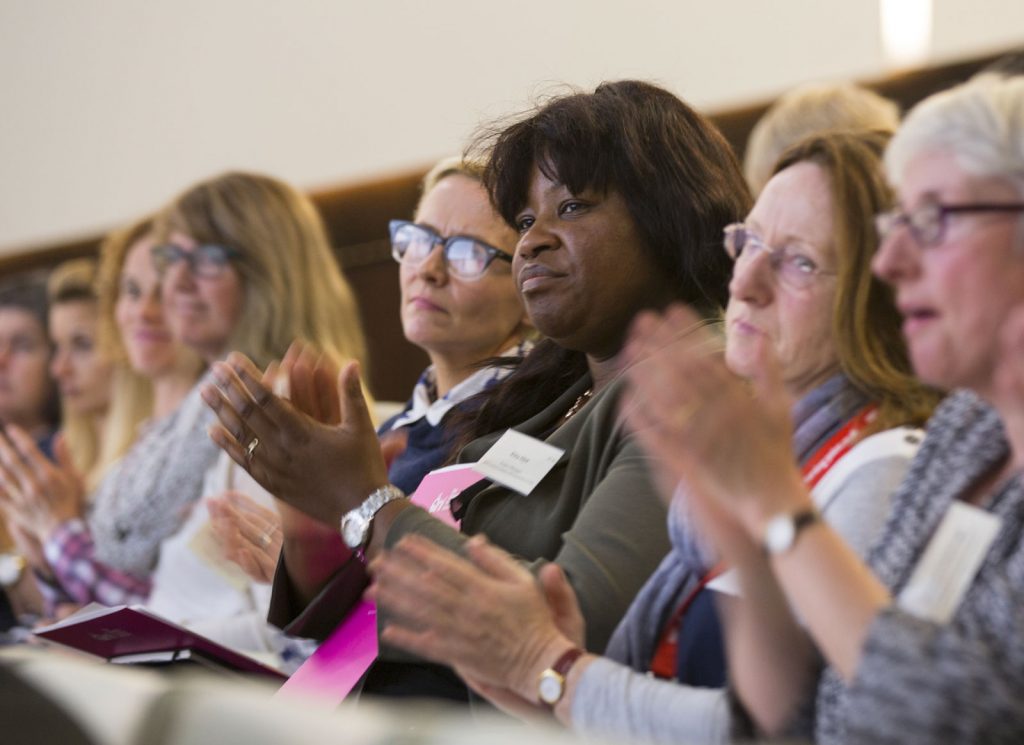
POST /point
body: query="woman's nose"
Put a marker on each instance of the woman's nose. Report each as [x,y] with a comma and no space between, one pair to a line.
[59,367]
[433,268]
[753,279]
[535,240]
[897,257]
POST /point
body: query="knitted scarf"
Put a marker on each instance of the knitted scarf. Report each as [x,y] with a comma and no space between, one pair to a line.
[816,418]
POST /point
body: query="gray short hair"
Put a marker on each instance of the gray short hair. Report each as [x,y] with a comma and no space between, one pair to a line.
[981,123]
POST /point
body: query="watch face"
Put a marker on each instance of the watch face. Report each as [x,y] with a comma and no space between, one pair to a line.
[353,530]
[550,687]
[10,569]
[779,534]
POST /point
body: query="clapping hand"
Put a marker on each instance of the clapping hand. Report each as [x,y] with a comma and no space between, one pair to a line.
[322,468]
[727,440]
[250,534]
[485,615]
[37,493]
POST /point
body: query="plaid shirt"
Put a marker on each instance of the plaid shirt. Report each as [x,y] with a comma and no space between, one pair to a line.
[80,578]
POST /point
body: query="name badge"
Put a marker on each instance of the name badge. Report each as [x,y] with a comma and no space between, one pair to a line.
[518,461]
[949,563]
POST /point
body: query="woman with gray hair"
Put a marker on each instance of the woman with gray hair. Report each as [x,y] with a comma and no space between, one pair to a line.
[924,642]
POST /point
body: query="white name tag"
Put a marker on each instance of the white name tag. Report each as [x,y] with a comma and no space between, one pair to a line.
[518,461]
[949,563]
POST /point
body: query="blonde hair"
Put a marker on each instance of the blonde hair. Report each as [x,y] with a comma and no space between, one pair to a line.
[74,281]
[131,401]
[293,286]
[809,109]
[454,165]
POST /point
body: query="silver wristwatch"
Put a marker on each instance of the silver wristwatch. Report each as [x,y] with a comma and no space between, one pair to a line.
[355,525]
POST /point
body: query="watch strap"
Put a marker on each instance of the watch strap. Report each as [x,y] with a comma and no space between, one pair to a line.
[366,511]
[561,669]
[795,523]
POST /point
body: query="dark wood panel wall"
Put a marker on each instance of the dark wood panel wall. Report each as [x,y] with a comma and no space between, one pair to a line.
[357,215]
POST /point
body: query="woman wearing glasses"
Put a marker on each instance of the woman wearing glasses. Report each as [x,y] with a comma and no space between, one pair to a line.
[600,238]
[245,265]
[801,285]
[924,643]
[459,304]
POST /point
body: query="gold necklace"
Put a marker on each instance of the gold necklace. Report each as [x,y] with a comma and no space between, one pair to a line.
[578,404]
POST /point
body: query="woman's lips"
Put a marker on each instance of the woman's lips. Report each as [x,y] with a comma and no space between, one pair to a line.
[740,326]
[915,317]
[148,336]
[422,303]
[533,276]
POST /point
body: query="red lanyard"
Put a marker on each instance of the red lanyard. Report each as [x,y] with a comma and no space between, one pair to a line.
[664,663]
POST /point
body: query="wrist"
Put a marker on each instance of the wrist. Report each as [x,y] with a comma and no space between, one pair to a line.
[552,683]
[789,497]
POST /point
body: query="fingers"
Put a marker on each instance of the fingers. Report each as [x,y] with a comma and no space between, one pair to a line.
[236,515]
[18,474]
[426,644]
[557,590]
[227,441]
[326,392]
[419,557]
[355,414]
[393,444]
[561,599]
[300,378]
[493,560]
[243,404]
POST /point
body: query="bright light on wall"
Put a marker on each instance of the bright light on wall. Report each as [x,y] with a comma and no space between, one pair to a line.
[906,31]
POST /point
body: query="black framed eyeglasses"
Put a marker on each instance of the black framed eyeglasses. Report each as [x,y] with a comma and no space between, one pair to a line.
[927,221]
[466,257]
[207,260]
[792,265]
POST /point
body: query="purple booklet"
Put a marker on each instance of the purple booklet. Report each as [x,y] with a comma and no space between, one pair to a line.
[132,634]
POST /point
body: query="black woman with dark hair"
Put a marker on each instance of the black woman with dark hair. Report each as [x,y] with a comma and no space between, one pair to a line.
[619,198]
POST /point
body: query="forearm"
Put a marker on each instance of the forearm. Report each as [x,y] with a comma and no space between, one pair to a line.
[311,561]
[771,659]
[833,592]
[611,701]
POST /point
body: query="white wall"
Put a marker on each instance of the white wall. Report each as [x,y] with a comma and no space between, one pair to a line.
[111,106]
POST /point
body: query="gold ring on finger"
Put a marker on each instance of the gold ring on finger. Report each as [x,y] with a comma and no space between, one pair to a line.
[250,449]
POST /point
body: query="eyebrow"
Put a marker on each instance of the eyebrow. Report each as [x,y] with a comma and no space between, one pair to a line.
[444,237]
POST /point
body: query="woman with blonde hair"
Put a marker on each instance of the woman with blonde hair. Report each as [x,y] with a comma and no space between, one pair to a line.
[459,304]
[245,266]
[261,243]
[810,109]
[81,365]
[98,544]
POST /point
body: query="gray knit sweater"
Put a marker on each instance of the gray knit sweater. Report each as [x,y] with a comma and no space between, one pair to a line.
[919,682]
